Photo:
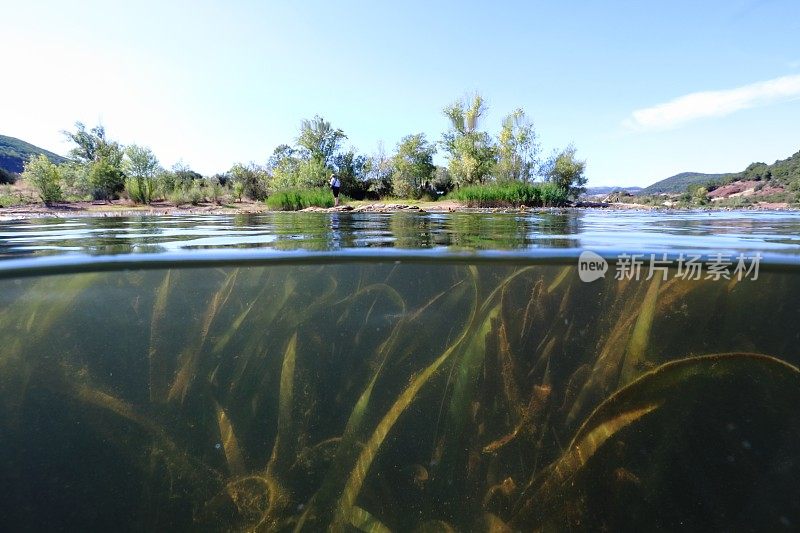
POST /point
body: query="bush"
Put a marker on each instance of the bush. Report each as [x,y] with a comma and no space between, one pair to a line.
[196,194]
[178,196]
[553,195]
[140,190]
[214,189]
[507,194]
[6,177]
[296,199]
[45,178]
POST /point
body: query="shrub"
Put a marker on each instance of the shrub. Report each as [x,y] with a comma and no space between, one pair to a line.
[507,194]
[140,190]
[553,195]
[196,194]
[214,189]
[296,199]
[7,177]
[178,196]
[238,190]
[45,178]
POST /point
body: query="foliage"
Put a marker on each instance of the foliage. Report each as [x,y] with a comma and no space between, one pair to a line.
[214,189]
[252,179]
[296,199]
[44,176]
[140,190]
[11,196]
[106,178]
[471,153]
[141,166]
[517,148]
[101,159]
[553,195]
[319,141]
[413,166]
[7,177]
[680,182]
[378,173]
[785,172]
[510,194]
[442,181]
[238,190]
[351,170]
[565,171]
[195,193]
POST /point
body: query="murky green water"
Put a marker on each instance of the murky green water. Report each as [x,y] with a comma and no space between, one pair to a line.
[399,394]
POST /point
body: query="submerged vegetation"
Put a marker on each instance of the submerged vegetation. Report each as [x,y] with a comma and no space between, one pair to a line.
[401,397]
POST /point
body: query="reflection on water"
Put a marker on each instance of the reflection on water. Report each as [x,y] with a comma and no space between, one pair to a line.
[381,396]
[631,231]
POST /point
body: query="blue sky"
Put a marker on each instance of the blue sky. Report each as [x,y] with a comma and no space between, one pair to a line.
[643,89]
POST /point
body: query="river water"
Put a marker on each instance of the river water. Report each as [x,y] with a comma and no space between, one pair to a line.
[467,372]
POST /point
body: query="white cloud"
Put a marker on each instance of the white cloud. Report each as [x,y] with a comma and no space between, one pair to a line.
[705,104]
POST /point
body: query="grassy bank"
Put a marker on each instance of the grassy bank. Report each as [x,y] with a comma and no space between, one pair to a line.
[512,194]
[296,199]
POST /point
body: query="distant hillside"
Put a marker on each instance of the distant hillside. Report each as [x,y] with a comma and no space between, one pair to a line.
[680,182]
[14,153]
[784,172]
[592,191]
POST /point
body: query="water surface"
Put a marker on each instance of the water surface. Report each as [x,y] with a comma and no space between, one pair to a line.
[769,232]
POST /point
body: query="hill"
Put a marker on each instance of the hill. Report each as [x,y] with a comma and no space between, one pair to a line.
[594,191]
[784,172]
[680,182]
[14,153]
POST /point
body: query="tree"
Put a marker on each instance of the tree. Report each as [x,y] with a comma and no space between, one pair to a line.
[413,166]
[471,153]
[141,166]
[44,176]
[319,140]
[283,157]
[101,159]
[517,148]
[250,179]
[351,170]
[105,173]
[565,171]
[87,143]
[378,173]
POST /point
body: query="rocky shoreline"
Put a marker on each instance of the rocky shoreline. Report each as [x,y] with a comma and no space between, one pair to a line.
[121,208]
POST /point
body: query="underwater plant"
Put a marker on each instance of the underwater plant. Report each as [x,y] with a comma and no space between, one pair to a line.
[382,397]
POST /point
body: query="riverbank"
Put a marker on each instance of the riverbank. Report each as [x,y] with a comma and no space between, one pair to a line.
[126,208]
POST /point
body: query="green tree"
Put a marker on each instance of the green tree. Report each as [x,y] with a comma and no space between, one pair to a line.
[87,143]
[250,179]
[283,168]
[351,169]
[101,159]
[141,166]
[44,176]
[105,173]
[471,153]
[413,166]
[517,148]
[566,172]
[319,140]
